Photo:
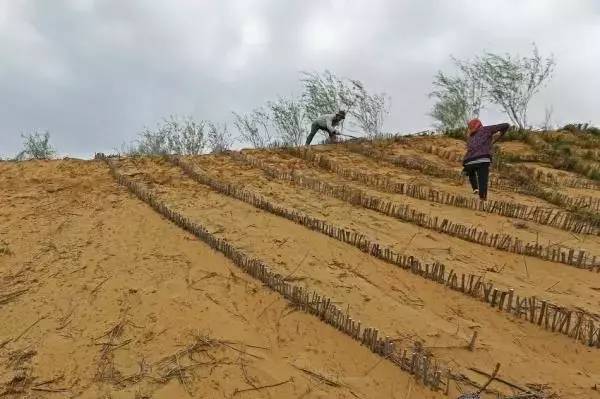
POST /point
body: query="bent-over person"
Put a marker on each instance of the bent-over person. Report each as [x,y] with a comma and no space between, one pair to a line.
[328,124]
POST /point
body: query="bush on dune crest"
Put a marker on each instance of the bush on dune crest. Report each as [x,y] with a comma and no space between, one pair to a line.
[36,146]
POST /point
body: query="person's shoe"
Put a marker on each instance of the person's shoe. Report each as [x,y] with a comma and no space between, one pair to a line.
[476,191]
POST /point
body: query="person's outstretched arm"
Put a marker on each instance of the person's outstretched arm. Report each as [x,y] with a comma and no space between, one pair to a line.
[501,128]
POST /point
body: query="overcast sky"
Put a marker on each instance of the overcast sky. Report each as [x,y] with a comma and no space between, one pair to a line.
[94,73]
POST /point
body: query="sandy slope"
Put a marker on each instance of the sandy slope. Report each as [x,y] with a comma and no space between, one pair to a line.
[93,257]
[367,164]
[98,292]
[493,223]
[378,293]
[526,274]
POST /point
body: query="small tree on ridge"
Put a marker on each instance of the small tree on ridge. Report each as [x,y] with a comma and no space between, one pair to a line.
[36,146]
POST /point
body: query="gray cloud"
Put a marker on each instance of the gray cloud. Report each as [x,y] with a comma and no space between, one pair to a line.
[95,72]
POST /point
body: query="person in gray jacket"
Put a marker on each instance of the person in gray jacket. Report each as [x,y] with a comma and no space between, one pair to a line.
[327,123]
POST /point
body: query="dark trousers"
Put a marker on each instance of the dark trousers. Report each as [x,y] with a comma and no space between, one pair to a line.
[313,130]
[478,177]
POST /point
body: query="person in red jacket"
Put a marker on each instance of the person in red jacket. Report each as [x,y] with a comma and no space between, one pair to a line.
[479,154]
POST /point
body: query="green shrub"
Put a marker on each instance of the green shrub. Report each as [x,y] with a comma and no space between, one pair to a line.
[516,134]
[582,128]
[458,133]
[36,146]
[175,135]
[594,174]
[571,127]
[563,148]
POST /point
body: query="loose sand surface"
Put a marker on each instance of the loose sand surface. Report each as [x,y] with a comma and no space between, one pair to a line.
[101,297]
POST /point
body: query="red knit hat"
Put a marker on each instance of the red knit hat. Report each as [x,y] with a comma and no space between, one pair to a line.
[474,125]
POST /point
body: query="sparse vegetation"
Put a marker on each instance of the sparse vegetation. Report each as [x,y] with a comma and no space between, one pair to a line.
[326,93]
[459,99]
[547,123]
[289,119]
[36,145]
[175,135]
[561,153]
[219,138]
[285,121]
[370,110]
[516,134]
[255,128]
[582,128]
[512,81]
[458,133]
[505,80]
